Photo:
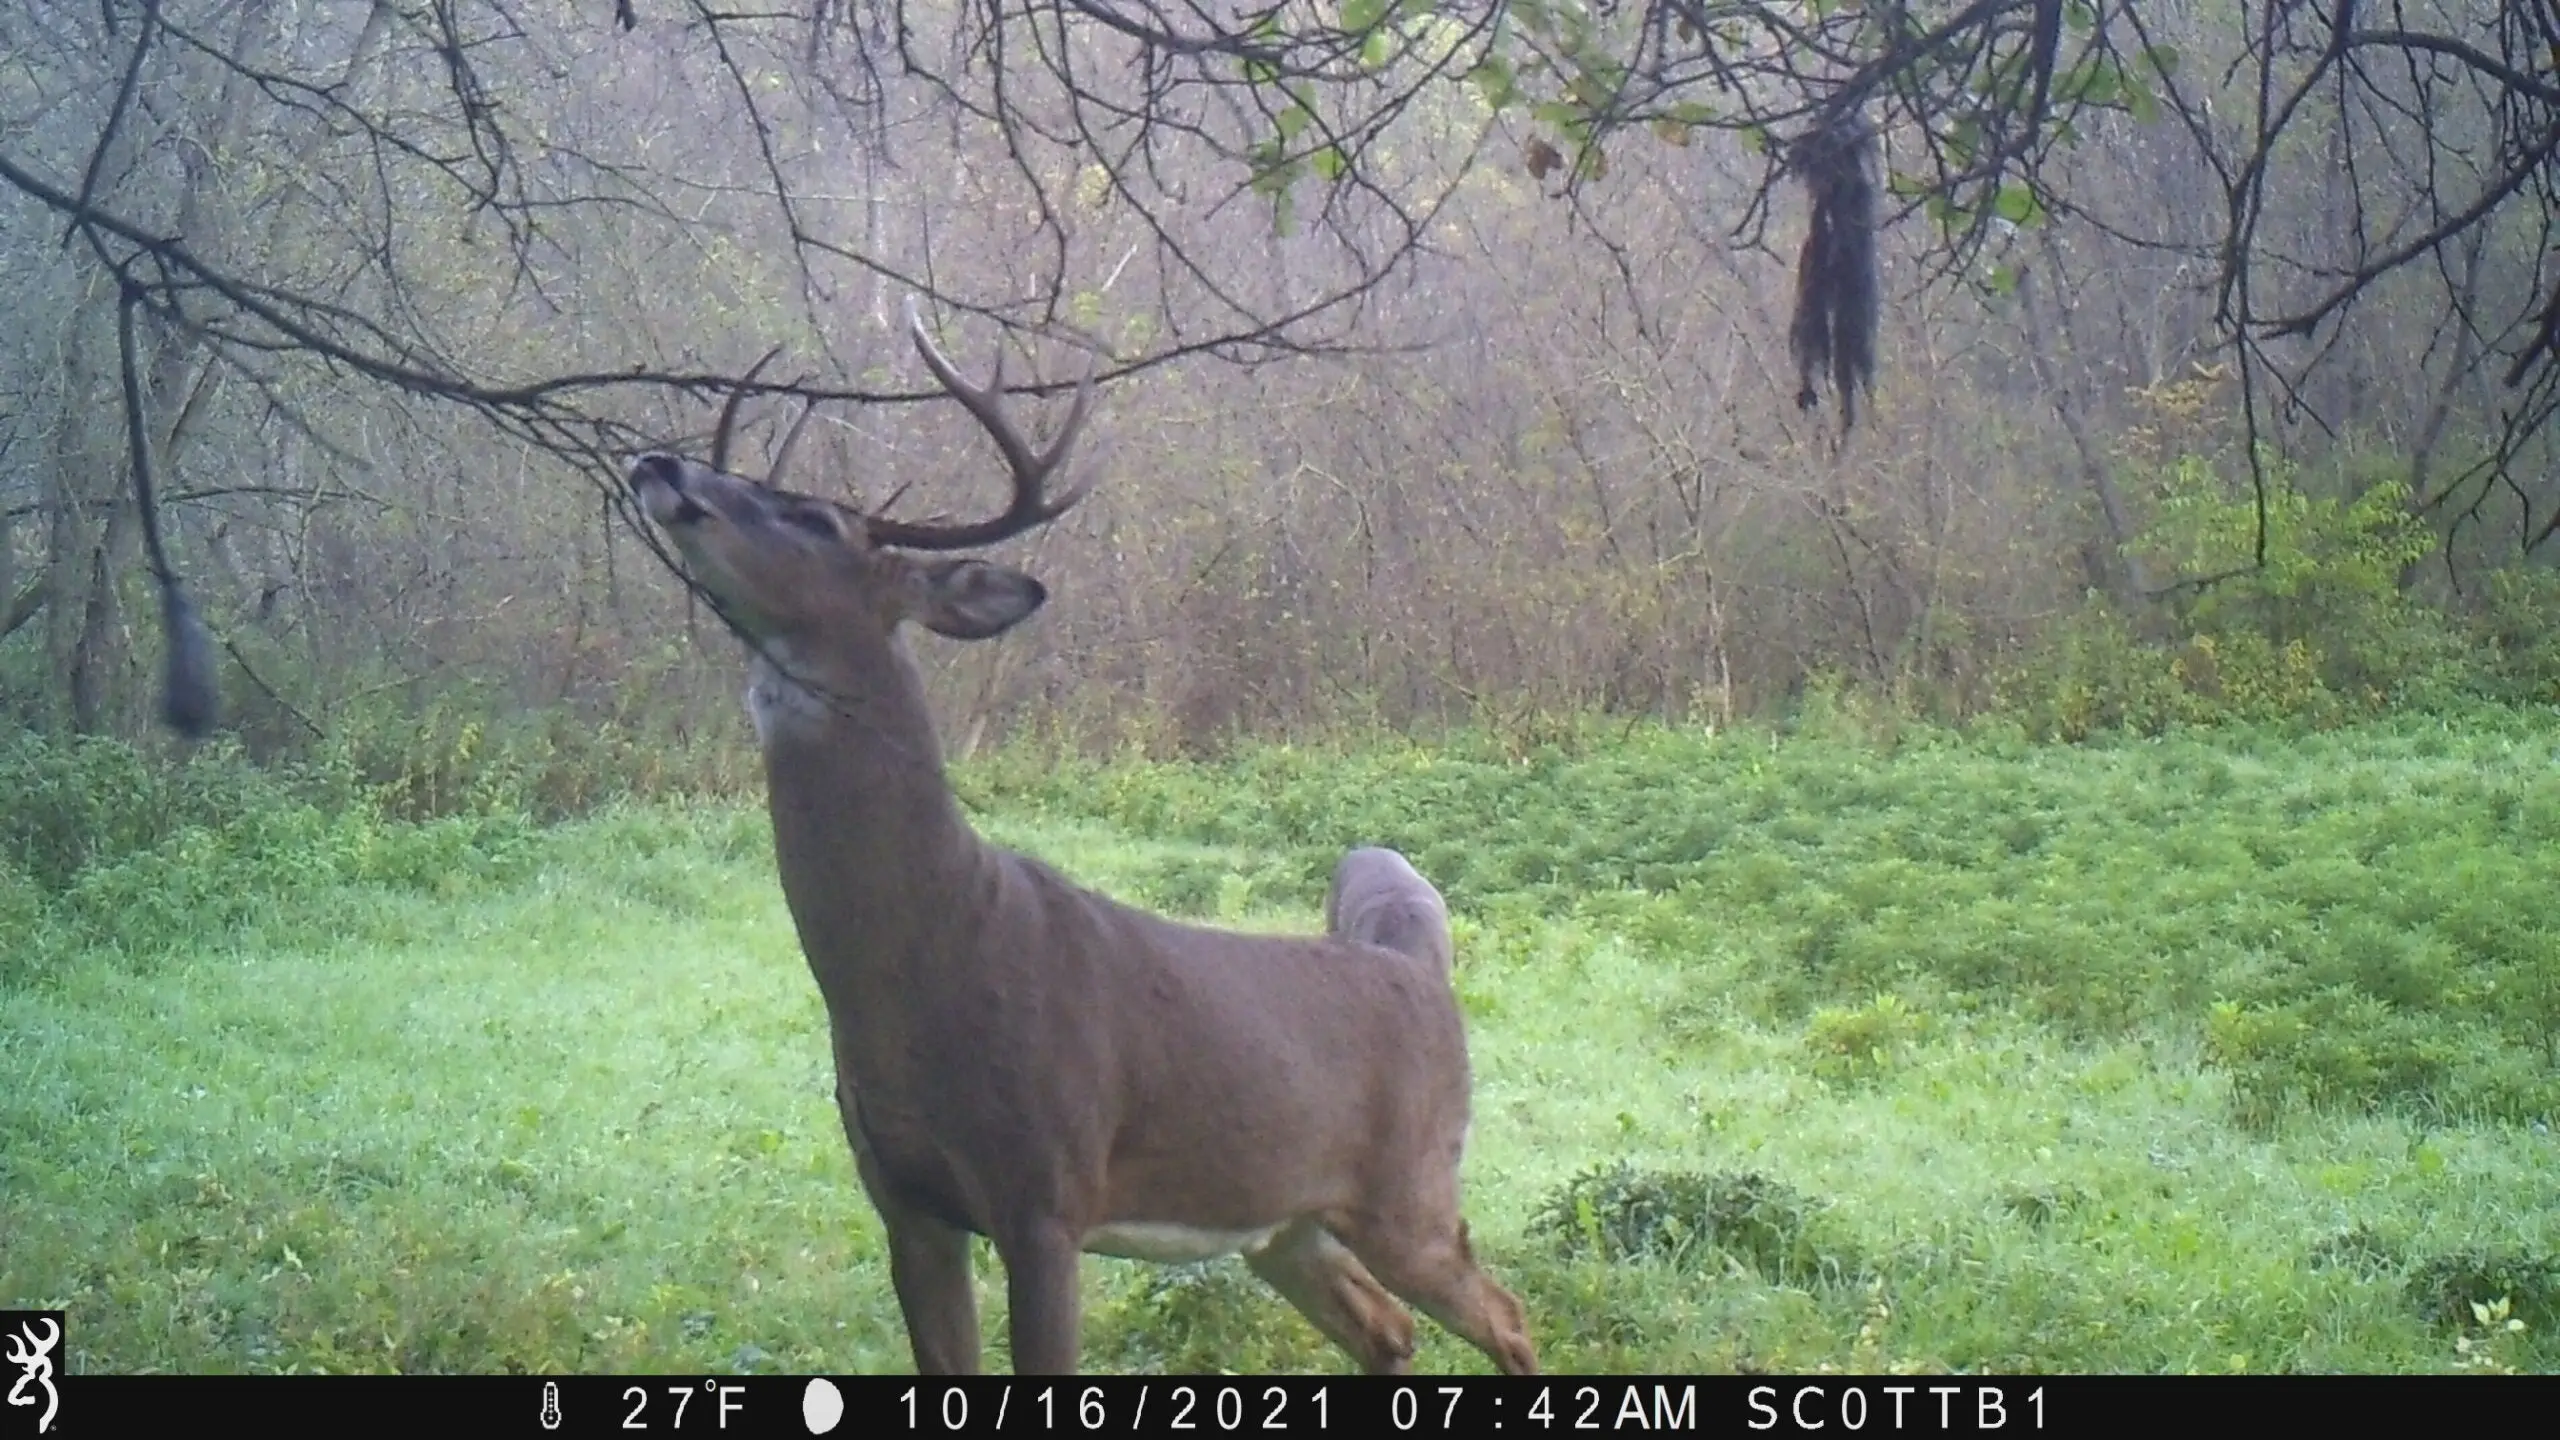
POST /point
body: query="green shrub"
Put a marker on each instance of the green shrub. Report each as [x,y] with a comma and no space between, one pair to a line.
[70,804]
[104,846]
[2514,630]
[462,756]
[2321,629]
[2091,675]
[1618,1212]
[1864,1043]
[2328,578]
[2341,1047]
[25,920]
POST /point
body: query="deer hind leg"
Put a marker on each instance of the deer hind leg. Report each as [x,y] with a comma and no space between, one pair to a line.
[1320,1276]
[928,1267]
[1421,1253]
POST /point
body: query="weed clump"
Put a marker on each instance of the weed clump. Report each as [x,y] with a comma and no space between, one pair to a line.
[1204,1293]
[1202,1318]
[1849,1046]
[2042,1204]
[1619,1212]
[2362,1249]
[2445,1287]
[2342,1046]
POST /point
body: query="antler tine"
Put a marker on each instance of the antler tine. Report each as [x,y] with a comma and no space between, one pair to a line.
[1031,470]
[790,442]
[729,412]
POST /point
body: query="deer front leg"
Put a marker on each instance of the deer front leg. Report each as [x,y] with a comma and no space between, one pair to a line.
[1042,1272]
[928,1267]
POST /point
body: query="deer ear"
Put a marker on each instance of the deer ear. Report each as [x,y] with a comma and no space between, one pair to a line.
[972,600]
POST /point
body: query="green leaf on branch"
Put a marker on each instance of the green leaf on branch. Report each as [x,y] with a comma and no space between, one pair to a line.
[1494,81]
[2095,83]
[1273,171]
[2018,205]
[1359,15]
[1964,138]
[1598,80]
[1330,163]
[1264,30]
[1564,116]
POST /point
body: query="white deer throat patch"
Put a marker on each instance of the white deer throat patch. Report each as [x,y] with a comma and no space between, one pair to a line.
[777,703]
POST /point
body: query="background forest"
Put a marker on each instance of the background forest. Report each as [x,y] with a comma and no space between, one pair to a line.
[1427,425]
[2050,876]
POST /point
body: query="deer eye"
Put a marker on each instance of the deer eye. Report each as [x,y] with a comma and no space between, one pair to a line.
[816,522]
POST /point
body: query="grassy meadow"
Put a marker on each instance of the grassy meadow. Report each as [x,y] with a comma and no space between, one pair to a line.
[2223,1051]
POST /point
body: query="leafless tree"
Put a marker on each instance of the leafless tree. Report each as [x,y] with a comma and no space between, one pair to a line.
[305,220]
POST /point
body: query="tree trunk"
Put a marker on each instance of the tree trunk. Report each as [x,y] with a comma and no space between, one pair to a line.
[97,658]
[2128,582]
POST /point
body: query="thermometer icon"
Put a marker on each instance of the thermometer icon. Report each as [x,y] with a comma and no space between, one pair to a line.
[550,1405]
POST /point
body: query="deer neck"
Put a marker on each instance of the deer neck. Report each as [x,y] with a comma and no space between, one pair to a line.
[873,850]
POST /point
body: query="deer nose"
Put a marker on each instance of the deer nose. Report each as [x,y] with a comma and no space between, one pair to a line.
[657,481]
[661,469]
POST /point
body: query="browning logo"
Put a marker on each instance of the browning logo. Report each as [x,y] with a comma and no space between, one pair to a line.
[31,1340]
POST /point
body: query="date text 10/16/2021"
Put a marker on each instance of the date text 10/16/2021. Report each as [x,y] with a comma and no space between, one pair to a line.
[1651,1405]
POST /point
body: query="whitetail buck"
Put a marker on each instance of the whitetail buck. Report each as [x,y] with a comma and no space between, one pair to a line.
[1378,897]
[1020,1058]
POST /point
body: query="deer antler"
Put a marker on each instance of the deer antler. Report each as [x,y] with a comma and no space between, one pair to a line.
[729,411]
[1031,470]
[721,437]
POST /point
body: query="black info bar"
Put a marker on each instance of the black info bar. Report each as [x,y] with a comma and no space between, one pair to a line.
[760,1405]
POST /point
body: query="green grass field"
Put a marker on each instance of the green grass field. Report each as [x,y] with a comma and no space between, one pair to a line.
[2213,1053]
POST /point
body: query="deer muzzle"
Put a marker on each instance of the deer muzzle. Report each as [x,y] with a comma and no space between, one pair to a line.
[661,483]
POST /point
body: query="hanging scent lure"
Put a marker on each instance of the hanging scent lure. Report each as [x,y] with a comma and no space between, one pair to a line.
[1838,291]
[188,700]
